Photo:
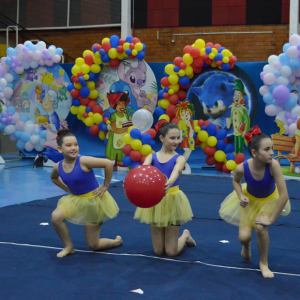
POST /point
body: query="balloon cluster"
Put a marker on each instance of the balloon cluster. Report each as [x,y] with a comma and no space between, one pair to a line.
[178,75]
[213,141]
[29,135]
[138,146]
[279,76]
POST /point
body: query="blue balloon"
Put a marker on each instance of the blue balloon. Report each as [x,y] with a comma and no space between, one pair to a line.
[88,109]
[87,130]
[284,59]
[212,129]
[114,41]
[92,76]
[290,103]
[2,126]
[81,80]
[160,94]
[203,127]
[105,58]
[277,73]
[208,49]
[59,51]
[268,98]
[184,81]
[159,111]
[36,131]
[102,52]
[70,87]
[226,67]
[286,46]
[135,164]
[23,118]
[18,134]
[84,91]
[221,49]
[220,145]
[25,137]
[11,52]
[176,69]
[106,115]
[135,133]
[294,64]
[152,144]
[43,134]
[195,134]
[128,51]
[11,109]
[76,102]
[10,84]
[145,138]
[126,160]
[14,74]
[8,62]
[275,103]
[20,145]
[230,156]
[166,89]
[129,39]
[290,87]
[229,149]
[140,55]
[205,65]
[272,87]
[102,126]
[219,56]
[221,134]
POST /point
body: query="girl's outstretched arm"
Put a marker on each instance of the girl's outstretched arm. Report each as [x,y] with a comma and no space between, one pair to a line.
[283,196]
[238,175]
[93,162]
[180,162]
[148,160]
[57,180]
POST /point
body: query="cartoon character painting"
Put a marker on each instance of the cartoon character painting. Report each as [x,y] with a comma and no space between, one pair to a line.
[16,101]
[25,103]
[31,75]
[239,119]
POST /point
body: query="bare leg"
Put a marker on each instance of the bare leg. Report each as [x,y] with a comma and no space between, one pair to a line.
[245,235]
[263,249]
[58,221]
[173,243]
[92,234]
[158,239]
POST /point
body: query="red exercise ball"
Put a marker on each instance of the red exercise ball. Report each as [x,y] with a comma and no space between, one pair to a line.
[240,157]
[144,186]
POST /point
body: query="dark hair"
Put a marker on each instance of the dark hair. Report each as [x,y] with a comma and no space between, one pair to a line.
[122,99]
[165,127]
[256,140]
[61,134]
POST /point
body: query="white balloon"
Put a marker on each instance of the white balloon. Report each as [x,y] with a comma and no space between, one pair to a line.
[268,69]
[37,55]
[286,71]
[272,59]
[42,142]
[34,139]
[3,83]
[33,64]
[56,58]
[19,70]
[292,52]
[7,91]
[272,110]
[282,81]
[38,148]
[29,147]
[15,118]
[49,63]
[292,129]
[264,90]
[4,108]
[296,110]
[28,128]
[29,122]
[51,50]
[8,77]
[294,39]
[270,78]
[10,129]
[41,46]
[281,117]
[142,119]
[286,127]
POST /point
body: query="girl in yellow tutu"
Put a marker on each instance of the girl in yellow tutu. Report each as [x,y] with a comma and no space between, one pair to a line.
[87,203]
[257,203]
[174,209]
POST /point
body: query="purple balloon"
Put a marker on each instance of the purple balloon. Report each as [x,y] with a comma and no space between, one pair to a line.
[281,93]
[3,120]
[294,117]
[19,63]
[10,113]
[13,59]
[25,50]
[288,115]
[262,75]
[4,114]
[9,119]
[289,121]
[1,71]
[298,47]
[13,65]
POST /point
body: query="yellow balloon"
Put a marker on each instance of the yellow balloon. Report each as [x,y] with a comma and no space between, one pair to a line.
[97,55]
[197,129]
[77,86]
[112,53]
[75,70]
[89,121]
[91,85]
[91,114]
[211,55]
[136,144]
[97,118]
[159,103]
[174,87]
[134,52]
[202,136]
[225,60]
[191,76]
[81,109]
[105,40]
[146,150]
[213,64]
[214,51]
[108,122]
[171,92]
[138,46]
[226,53]
[219,155]
[212,141]
[102,135]
[169,69]
[173,79]
[93,94]
[164,117]
[79,117]
[187,59]
[86,52]
[86,76]
[202,51]
[74,110]
[121,56]
[126,46]
[85,69]
[189,71]
[203,145]
[231,165]
[97,61]
[181,73]
[79,61]
[164,103]
[127,139]
[95,68]
[130,128]
[200,44]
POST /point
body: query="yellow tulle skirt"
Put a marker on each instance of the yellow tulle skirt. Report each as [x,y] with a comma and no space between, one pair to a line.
[233,213]
[87,209]
[174,209]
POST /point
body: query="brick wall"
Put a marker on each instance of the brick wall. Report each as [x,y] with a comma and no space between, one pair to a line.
[246,47]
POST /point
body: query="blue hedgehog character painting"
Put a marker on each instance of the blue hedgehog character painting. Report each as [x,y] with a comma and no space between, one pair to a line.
[215,96]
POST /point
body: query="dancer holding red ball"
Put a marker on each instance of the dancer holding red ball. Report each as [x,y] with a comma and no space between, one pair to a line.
[174,209]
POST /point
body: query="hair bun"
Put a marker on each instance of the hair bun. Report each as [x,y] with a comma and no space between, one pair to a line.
[63,131]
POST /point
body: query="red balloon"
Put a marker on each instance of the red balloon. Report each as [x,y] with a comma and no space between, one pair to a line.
[205,56]
[84,101]
[225,140]
[208,61]
[114,62]
[181,94]
[178,61]
[106,46]
[72,78]
[240,157]
[96,108]
[122,42]
[144,186]
[187,49]
[197,142]
[135,40]
[75,93]
[206,123]
[76,79]
[194,52]
[175,121]
[231,65]
[232,59]
[92,104]
[217,46]
[219,63]
[131,56]
[185,87]
[165,82]
[219,166]
[210,44]
[79,74]
[152,132]
[210,160]
[85,115]
[209,151]
[88,59]
[120,49]
[166,95]
[171,110]
[131,46]
[218,127]
[96,46]
[200,123]
[94,129]
[195,68]
[182,66]
[105,119]
[225,169]
[99,47]
[173,99]
[143,159]
[199,61]
[127,149]
[135,155]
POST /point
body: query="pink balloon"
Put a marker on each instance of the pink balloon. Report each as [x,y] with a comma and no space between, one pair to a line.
[7,91]
[277,65]
[29,147]
[1,95]
[292,52]
[8,103]
[37,55]
[269,79]
[20,125]
[19,70]
[16,118]
[272,110]
[264,90]
[13,138]
[36,126]
[56,58]
[42,62]
[49,63]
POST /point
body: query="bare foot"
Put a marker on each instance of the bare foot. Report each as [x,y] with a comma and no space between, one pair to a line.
[66,251]
[118,240]
[189,241]
[246,253]
[266,273]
